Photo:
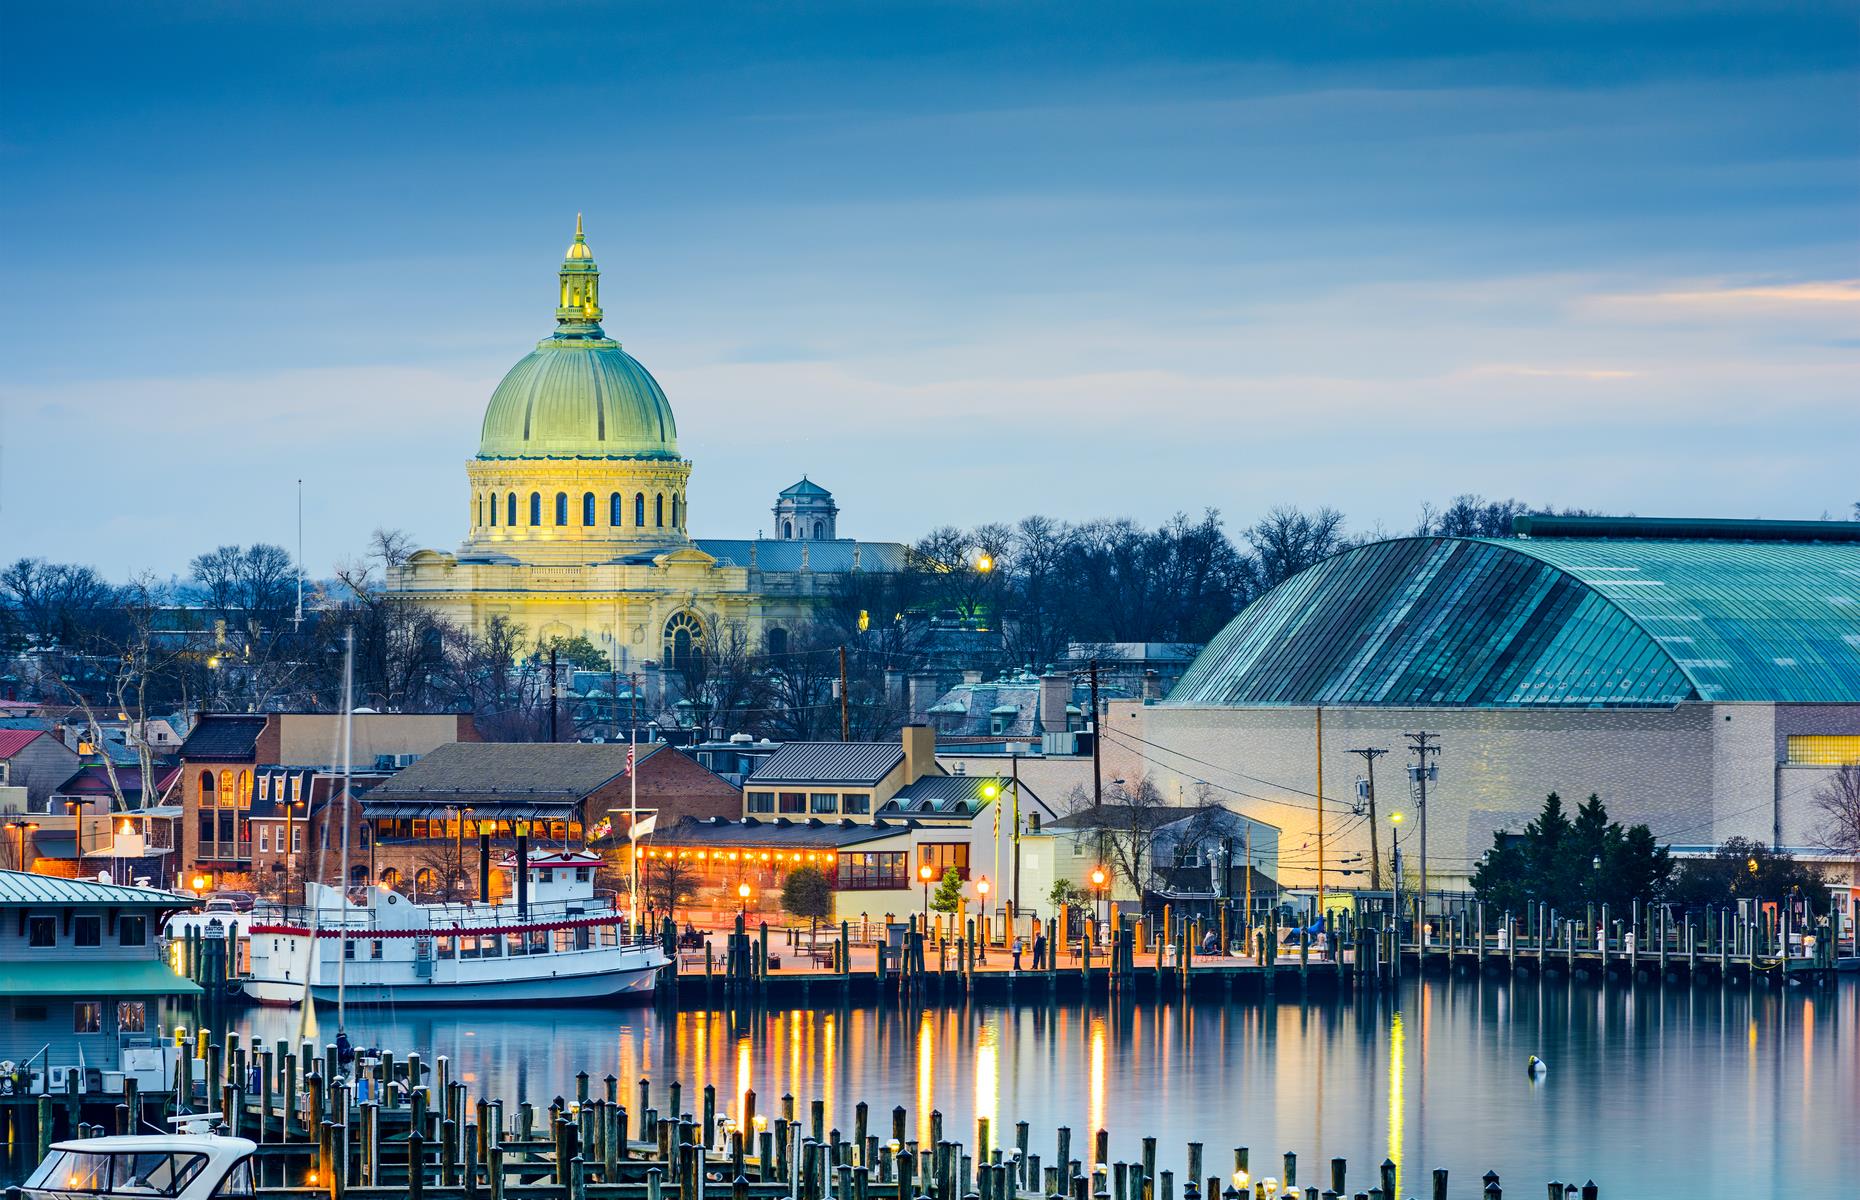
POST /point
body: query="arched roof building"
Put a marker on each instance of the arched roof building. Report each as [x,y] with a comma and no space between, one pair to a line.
[1701,676]
[1550,622]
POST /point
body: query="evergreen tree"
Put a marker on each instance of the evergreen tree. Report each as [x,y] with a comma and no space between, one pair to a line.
[948,895]
[1568,863]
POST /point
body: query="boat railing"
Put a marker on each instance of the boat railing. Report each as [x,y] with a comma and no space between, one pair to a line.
[442,918]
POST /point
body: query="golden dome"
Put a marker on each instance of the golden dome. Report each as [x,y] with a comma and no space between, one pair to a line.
[578,249]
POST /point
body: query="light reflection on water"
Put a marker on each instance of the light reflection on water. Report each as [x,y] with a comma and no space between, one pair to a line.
[1702,1093]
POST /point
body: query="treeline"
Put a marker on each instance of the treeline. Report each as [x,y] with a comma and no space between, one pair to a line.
[229,634]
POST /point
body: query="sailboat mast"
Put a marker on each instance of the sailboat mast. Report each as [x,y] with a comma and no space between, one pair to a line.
[632,831]
[348,747]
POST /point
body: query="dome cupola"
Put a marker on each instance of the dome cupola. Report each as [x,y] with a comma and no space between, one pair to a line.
[578,394]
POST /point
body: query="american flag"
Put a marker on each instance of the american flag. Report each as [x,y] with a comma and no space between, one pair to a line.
[629,759]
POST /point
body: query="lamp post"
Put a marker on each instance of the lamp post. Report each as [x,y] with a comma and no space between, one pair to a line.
[22,827]
[924,873]
[742,895]
[1395,820]
[1098,880]
[981,941]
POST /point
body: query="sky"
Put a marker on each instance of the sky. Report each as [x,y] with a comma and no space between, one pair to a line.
[956,262]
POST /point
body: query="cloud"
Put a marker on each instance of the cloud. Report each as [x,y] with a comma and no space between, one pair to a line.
[1838,297]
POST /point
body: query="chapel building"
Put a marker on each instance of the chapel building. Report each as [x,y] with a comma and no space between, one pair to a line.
[578,510]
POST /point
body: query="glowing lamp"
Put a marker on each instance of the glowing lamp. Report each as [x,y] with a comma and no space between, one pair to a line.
[1097,876]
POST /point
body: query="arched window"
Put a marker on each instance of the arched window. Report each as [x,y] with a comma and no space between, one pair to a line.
[206,789]
[639,508]
[536,508]
[658,510]
[587,508]
[684,641]
[494,499]
[561,508]
[510,510]
[674,510]
[424,881]
[358,875]
[390,876]
[480,517]
[613,509]
[787,530]
[778,641]
[245,789]
[820,530]
[229,790]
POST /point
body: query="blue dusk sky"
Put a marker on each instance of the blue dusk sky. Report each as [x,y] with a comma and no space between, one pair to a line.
[957,262]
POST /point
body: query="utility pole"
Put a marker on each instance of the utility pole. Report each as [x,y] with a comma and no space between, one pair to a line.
[297,622]
[845,722]
[1014,765]
[1369,756]
[1320,800]
[553,706]
[1097,761]
[1420,774]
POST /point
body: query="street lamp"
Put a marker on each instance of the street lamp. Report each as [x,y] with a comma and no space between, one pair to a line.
[742,894]
[1098,881]
[925,873]
[984,562]
[22,827]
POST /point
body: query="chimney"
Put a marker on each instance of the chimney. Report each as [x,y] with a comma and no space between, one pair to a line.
[1152,685]
[971,677]
[923,691]
[1055,694]
[919,752]
[894,687]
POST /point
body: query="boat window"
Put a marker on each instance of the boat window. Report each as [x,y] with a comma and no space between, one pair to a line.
[238,1181]
[374,949]
[539,941]
[146,1173]
[516,944]
[468,947]
[446,949]
[564,940]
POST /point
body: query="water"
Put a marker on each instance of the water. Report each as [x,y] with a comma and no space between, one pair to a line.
[1685,1093]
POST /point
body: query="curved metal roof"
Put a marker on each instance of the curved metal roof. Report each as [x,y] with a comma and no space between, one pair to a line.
[1547,622]
[578,398]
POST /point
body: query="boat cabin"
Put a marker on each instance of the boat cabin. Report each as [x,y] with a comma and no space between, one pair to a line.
[174,1166]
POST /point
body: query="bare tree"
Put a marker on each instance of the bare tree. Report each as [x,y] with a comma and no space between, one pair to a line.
[1839,802]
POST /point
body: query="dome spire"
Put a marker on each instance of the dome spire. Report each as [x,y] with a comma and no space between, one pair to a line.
[578,309]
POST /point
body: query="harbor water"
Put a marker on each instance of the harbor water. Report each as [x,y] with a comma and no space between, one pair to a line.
[1695,1093]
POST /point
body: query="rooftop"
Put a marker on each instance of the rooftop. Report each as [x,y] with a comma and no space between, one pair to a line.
[511,777]
[828,762]
[1757,611]
[222,737]
[22,888]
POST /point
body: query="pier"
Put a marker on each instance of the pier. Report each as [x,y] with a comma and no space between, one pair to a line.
[390,1125]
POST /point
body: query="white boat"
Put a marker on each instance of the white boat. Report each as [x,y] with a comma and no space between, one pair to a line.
[376,947]
[178,1166]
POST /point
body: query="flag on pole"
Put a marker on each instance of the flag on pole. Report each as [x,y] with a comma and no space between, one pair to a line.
[629,758]
[642,827]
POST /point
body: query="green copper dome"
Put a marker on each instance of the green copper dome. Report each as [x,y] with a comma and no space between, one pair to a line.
[578,394]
